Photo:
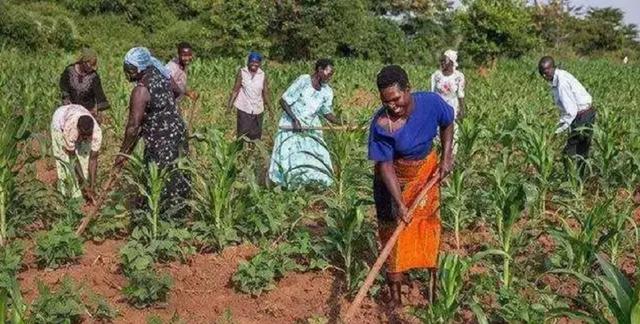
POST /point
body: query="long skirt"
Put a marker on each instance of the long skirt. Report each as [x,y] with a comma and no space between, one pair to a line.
[67,180]
[419,242]
[299,159]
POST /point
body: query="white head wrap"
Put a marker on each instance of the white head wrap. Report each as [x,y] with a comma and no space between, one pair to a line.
[453,56]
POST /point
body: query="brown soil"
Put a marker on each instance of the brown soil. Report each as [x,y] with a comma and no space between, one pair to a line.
[202,292]
[46,172]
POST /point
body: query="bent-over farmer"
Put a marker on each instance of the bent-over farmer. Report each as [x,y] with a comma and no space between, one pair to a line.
[577,114]
[76,138]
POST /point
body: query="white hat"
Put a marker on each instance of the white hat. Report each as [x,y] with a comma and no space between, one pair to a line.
[453,56]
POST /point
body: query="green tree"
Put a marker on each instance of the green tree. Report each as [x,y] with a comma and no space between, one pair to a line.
[239,26]
[603,29]
[310,29]
[495,28]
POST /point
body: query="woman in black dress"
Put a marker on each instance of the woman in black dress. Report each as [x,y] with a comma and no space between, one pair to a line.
[153,115]
[80,84]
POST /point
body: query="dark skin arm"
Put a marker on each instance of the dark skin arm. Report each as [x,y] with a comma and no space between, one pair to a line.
[387,172]
[64,88]
[137,104]
[461,108]
[295,122]
[235,90]
[333,119]
[446,159]
[266,94]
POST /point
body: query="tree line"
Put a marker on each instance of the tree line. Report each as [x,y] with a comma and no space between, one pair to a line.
[388,31]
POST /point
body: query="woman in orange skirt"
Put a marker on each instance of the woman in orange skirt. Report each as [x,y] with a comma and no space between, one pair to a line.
[400,143]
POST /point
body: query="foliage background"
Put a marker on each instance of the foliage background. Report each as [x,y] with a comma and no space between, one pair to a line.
[286,30]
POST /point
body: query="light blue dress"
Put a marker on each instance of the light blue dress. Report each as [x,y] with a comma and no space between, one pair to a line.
[302,158]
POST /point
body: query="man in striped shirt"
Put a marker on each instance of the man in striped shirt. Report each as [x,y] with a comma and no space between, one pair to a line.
[577,114]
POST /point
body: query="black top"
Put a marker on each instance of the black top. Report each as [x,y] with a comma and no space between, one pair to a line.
[163,129]
[84,90]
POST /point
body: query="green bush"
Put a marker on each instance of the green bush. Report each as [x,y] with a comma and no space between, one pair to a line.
[147,287]
[59,246]
[37,27]
[61,306]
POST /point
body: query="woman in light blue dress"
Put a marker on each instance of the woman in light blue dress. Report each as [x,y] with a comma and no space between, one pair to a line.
[299,154]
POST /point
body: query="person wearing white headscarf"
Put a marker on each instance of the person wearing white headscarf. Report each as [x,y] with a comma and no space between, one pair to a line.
[449,83]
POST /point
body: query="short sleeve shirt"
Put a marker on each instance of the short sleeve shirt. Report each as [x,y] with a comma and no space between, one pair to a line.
[450,87]
[413,141]
[66,120]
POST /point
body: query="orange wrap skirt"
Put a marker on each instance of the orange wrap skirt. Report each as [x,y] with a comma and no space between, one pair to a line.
[419,242]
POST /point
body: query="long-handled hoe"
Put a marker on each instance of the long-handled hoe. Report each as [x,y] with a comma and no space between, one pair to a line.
[373,273]
[114,175]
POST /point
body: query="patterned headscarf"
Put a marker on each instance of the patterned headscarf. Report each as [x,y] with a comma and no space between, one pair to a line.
[453,56]
[141,58]
[254,56]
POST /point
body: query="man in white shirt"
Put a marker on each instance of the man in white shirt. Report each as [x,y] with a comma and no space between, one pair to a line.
[577,114]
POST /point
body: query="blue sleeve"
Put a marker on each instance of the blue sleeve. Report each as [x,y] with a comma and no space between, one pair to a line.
[293,92]
[445,113]
[380,146]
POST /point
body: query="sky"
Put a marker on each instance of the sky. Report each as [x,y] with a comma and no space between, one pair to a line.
[631,8]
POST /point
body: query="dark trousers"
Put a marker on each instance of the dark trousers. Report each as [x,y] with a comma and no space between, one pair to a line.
[579,141]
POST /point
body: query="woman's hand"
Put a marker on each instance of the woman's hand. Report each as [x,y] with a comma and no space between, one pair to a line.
[296,126]
[403,214]
[446,166]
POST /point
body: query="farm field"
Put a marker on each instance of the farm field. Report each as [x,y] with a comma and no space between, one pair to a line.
[525,239]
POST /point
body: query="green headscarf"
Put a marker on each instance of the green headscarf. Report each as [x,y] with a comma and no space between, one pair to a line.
[87,55]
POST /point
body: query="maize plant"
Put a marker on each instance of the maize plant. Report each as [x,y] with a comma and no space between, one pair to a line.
[582,242]
[452,271]
[510,201]
[216,189]
[621,299]
[149,179]
[539,154]
[13,132]
[455,201]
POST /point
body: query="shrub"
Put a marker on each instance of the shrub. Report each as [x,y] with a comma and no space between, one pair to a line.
[59,246]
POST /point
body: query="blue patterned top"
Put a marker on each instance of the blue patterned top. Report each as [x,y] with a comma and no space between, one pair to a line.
[412,141]
[307,103]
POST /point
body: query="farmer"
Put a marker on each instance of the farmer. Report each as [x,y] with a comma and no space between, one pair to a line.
[400,144]
[178,69]
[249,95]
[449,83]
[153,115]
[76,138]
[299,153]
[577,114]
[80,84]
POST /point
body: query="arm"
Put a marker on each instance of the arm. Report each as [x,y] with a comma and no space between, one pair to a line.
[569,105]
[65,87]
[137,103]
[93,169]
[388,174]
[235,90]
[287,109]
[333,119]
[462,84]
[266,94]
[433,82]
[446,160]
[101,99]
